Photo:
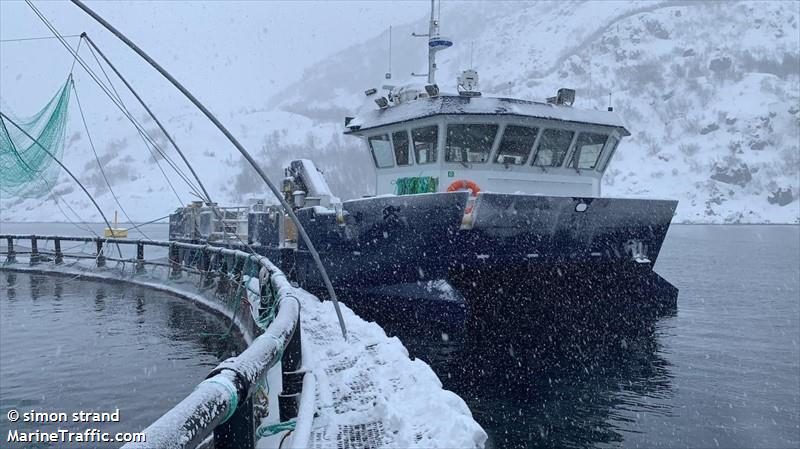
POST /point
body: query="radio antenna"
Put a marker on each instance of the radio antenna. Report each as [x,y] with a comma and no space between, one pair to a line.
[471,51]
[389,73]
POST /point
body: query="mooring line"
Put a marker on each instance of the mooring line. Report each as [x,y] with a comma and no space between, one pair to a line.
[97,158]
[22,39]
[92,47]
[121,107]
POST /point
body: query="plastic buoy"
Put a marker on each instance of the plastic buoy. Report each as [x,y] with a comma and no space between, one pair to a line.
[465,184]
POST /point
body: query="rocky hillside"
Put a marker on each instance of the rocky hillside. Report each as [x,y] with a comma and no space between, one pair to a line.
[710,92]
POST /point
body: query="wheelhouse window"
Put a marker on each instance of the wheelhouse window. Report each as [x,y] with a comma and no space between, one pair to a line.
[611,145]
[552,147]
[469,143]
[401,153]
[516,144]
[425,141]
[588,148]
[381,150]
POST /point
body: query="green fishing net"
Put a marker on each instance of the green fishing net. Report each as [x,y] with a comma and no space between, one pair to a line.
[417,184]
[26,170]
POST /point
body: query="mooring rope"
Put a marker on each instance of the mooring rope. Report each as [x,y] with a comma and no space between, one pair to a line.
[97,158]
[22,39]
[274,429]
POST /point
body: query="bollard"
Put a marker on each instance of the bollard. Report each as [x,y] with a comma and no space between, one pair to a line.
[11,255]
[139,267]
[238,432]
[59,255]
[34,251]
[101,259]
[292,376]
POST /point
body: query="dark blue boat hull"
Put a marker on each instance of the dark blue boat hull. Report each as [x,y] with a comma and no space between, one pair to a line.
[418,238]
[505,255]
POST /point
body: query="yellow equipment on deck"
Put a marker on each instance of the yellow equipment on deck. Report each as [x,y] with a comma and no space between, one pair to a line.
[116,231]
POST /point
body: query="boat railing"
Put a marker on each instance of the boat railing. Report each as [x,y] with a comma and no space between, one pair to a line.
[221,406]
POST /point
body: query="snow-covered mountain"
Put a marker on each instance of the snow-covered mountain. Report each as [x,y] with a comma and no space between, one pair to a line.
[710,92]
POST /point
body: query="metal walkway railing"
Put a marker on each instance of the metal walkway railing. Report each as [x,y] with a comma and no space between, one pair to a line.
[223,404]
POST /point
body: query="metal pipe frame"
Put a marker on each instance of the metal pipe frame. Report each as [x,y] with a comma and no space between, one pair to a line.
[275,191]
[222,404]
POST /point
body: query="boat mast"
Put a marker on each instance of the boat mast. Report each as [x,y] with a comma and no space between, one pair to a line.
[433,33]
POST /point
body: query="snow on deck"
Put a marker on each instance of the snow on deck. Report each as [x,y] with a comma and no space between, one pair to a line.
[370,394]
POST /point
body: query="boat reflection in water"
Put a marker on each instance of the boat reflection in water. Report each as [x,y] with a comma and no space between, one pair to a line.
[559,379]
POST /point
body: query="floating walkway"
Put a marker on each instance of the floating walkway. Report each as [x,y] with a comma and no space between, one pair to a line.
[299,383]
[370,394]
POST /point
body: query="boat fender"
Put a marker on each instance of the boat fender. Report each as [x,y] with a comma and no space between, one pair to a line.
[339,214]
[462,184]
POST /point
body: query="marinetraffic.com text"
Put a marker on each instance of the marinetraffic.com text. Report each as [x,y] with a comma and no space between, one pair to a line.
[90,435]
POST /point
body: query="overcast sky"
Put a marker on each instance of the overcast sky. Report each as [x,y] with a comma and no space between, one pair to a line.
[230,54]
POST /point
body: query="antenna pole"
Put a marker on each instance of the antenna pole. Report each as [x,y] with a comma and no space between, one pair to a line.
[471,51]
[431,53]
[236,144]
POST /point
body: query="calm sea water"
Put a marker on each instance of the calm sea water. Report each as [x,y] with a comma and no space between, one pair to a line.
[72,345]
[723,370]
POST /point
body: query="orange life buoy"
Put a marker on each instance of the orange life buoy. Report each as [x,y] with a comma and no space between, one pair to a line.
[462,184]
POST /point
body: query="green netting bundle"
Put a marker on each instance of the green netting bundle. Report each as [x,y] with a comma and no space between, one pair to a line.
[26,170]
[417,184]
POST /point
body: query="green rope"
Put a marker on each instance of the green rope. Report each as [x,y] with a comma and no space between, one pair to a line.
[417,184]
[273,429]
[234,396]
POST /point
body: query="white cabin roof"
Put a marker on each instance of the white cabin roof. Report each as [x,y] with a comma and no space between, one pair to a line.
[455,104]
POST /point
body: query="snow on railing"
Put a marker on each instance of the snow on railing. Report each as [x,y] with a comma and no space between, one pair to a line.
[223,404]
